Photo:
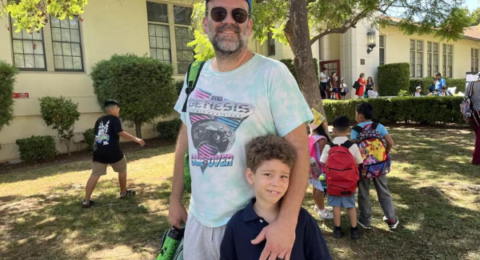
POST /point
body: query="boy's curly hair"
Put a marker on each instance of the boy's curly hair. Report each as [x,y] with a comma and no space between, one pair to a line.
[269,147]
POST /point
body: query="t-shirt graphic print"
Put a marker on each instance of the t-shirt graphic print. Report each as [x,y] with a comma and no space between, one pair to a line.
[214,121]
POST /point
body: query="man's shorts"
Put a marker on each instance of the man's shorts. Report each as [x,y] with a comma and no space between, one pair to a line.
[344,202]
[100,169]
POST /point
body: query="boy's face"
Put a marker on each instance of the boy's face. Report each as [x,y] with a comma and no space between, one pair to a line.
[270,181]
[359,117]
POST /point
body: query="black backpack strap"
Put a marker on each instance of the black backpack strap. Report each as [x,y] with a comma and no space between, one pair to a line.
[357,129]
[347,144]
[374,125]
[331,144]
[193,74]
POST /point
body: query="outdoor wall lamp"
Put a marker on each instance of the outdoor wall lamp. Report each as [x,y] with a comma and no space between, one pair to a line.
[371,40]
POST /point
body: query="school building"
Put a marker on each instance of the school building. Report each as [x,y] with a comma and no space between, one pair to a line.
[58,60]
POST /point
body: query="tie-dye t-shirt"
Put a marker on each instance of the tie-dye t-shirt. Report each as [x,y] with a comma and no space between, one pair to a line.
[224,113]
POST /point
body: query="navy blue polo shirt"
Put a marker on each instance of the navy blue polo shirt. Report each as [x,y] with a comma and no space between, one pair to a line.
[245,226]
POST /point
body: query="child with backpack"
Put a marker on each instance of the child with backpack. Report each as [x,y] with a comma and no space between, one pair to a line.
[374,143]
[341,158]
[317,140]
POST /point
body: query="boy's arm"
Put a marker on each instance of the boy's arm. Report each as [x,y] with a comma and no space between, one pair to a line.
[227,248]
[356,154]
[323,158]
[390,142]
[131,138]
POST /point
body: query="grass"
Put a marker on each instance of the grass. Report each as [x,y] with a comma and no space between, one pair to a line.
[436,193]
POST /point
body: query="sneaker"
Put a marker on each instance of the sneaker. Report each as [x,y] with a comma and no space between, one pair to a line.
[338,232]
[354,233]
[326,208]
[364,226]
[325,214]
[392,223]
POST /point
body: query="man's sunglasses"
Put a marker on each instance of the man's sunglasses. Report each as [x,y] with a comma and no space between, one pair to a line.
[219,14]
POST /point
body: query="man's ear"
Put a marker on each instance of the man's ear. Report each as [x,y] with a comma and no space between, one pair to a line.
[249,173]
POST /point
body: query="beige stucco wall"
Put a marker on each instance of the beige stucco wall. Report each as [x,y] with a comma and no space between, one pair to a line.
[109,27]
[397,49]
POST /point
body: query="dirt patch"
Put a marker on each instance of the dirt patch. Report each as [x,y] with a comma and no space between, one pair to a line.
[81,156]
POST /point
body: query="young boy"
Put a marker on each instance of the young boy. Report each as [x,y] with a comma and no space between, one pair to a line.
[341,127]
[269,160]
[363,116]
[108,130]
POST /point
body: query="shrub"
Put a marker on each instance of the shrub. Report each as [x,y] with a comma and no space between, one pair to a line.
[60,113]
[425,110]
[89,138]
[7,80]
[142,85]
[36,148]
[392,78]
[179,86]
[168,130]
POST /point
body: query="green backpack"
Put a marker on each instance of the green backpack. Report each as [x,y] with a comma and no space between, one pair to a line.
[192,78]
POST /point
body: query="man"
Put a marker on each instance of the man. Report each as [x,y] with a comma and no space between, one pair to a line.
[324,83]
[239,96]
[440,82]
[106,151]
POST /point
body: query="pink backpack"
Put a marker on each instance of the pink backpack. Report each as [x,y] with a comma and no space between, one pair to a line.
[312,140]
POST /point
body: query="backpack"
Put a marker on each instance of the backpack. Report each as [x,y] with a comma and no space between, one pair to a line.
[317,168]
[341,170]
[373,148]
[466,107]
[356,85]
[193,74]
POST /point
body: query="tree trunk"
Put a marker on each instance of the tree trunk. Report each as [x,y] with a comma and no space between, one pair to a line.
[298,36]
[138,129]
[67,143]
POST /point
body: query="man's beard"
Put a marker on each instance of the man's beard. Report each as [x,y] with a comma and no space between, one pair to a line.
[227,47]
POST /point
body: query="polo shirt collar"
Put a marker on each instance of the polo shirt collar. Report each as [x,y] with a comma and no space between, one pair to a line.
[249,213]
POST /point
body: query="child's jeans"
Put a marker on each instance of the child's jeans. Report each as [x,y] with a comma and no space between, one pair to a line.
[384,198]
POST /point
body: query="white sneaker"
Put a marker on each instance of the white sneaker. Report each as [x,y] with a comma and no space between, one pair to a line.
[330,209]
[325,214]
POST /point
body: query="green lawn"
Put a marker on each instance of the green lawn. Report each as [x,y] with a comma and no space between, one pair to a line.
[435,188]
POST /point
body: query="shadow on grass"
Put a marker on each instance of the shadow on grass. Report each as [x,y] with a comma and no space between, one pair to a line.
[33,172]
[56,227]
[431,227]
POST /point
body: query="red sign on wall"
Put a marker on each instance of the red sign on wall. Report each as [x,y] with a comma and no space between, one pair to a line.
[21,95]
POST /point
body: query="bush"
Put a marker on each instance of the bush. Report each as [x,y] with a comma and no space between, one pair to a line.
[142,85]
[36,148]
[426,82]
[179,86]
[7,80]
[168,130]
[425,110]
[392,78]
[291,67]
[61,113]
[89,138]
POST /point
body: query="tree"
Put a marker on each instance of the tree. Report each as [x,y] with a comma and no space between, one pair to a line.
[142,85]
[292,21]
[475,16]
[60,113]
[7,81]
[32,15]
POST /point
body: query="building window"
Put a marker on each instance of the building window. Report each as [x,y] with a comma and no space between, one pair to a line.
[183,36]
[169,25]
[382,49]
[28,50]
[447,51]
[67,48]
[432,58]
[271,44]
[474,60]
[416,59]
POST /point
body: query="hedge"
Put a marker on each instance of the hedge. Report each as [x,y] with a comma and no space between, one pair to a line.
[36,148]
[424,110]
[392,78]
[168,130]
[426,82]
